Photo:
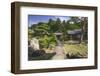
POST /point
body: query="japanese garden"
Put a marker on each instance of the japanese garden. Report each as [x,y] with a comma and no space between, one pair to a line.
[57,37]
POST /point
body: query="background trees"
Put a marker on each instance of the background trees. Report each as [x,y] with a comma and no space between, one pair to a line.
[45,31]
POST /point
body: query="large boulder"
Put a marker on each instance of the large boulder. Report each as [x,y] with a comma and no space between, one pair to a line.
[34,43]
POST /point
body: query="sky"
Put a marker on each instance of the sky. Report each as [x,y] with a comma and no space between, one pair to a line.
[34,19]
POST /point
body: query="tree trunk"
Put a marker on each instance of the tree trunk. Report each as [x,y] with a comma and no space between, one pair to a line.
[83,23]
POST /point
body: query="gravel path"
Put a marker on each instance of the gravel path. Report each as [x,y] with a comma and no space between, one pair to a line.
[59,53]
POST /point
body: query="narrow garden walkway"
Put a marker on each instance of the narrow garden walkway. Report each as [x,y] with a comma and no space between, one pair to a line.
[59,53]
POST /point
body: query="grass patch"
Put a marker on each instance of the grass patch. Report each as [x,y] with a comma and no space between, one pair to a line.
[76,50]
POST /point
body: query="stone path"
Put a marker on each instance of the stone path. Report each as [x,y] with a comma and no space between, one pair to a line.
[59,53]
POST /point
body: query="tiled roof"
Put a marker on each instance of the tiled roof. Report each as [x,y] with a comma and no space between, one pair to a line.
[76,31]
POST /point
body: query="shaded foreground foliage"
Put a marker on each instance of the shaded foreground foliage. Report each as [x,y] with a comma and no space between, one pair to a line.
[39,54]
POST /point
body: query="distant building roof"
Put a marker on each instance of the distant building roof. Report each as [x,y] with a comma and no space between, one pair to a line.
[58,33]
[73,32]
